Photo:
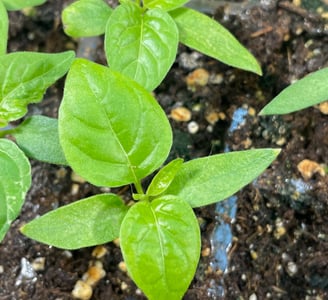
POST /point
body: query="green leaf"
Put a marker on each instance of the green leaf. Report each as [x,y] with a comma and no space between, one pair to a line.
[160,242]
[205,35]
[211,179]
[164,177]
[15,180]
[86,18]
[38,137]
[24,77]
[19,4]
[112,131]
[164,4]
[3,29]
[141,45]
[306,92]
[87,222]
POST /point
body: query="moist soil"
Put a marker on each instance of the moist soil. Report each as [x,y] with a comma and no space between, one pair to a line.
[280,234]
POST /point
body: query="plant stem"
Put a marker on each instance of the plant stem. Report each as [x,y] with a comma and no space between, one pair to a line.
[139,187]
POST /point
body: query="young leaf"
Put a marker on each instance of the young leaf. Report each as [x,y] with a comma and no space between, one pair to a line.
[15,180]
[141,44]
[3,29]
[19,4]
[164,4]
[164,177]
[24,77]
[306,92]
[205,35]
[86,18]
[38,137]
[113,132]
[160,242]
[210,179]
[87,222]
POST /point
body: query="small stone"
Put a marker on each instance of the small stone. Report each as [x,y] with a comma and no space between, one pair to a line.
[206,252]
[252,297]
[82,290]
[39,263]
[193,127]
[323,107]
[216,78]
[292,268]
[77,178]
[75,188]
[124,286]
[197,78]
[1,269]
[308,168]
[254,255]
[181,114]
[212,117]
[122,266]
[94,274]
[99,251]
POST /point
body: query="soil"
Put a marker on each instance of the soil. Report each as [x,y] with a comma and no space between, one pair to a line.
[280,234]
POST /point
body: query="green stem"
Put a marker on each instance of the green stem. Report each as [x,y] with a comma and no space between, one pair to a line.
[139,187]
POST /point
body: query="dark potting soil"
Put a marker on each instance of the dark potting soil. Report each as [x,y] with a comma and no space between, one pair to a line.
[279,248]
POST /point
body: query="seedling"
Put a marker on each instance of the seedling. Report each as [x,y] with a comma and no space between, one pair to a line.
[113,132]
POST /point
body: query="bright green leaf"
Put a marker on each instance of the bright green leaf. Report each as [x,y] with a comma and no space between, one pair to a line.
[113,132]
[87,222]
[205,35]
[19,4]
[24,77]
[164,4]
[306,92]
[3,29]
[141,45]
[37,136]
[160,242]
[86,18]
[15,180]
[164,177]
[211,179]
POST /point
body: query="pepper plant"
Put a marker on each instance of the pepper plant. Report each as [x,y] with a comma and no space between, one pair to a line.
[112,132]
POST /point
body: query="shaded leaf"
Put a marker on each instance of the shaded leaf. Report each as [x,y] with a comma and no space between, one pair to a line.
[164,177]
[141,45]
[160,242]
[86,18]
[87,222]
[306,92]
[38,137]
[164,4]
[15,180]
[113,132]
[205,35]
[19,4]
[24,78]
[211,179]
[3,29]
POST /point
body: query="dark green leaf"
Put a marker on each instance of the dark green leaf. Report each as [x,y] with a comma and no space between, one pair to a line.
[24,77]
[141,45]
[87,222]
[113,132]
[306,92]
[19,4]
[3,29]
[211,179]
[160,242]
[86,18]
[37,136]
[204,34]
[15,180]
[164,177]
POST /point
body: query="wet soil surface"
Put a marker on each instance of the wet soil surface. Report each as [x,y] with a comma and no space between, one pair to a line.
[279,248]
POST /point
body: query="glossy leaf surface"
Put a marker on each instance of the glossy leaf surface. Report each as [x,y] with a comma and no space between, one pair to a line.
[205,35]
[164,177]
[164,4]
[141,45]
[86,18]
[3,29]
[19,4]
[38,137]
[15,180]
[113,132]
[308,91]
[24,78]
[210,179]
[87,222]
[160,242]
